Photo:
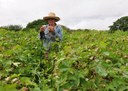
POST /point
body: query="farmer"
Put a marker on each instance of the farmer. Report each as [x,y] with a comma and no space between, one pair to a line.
[52,32]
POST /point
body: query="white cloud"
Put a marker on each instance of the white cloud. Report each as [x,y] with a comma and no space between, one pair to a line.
[93,14]
[94,24]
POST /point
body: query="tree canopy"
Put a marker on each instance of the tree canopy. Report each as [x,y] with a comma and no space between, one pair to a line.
[36,24]
[120,24]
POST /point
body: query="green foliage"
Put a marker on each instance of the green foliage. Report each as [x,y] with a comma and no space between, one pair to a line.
[36,24]
[86,61]
[120,24]
[13,27]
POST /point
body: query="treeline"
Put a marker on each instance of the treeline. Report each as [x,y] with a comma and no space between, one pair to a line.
[12,27]
[120,24]
[36,24]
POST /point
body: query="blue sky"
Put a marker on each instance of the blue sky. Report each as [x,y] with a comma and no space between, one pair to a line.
[91,14]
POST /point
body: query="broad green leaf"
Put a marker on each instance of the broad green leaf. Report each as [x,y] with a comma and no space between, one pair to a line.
[101,70]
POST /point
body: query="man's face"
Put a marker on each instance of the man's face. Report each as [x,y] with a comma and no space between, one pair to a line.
[51,21]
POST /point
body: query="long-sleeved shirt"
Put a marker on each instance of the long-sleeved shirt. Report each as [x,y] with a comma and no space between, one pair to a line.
[52,36]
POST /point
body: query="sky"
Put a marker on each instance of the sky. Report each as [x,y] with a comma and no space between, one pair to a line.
[75,14]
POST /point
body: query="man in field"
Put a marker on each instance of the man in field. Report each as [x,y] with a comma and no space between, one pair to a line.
[52,32]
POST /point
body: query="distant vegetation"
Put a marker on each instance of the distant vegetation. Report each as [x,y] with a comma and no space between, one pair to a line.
[12,27]
[36,24]
[120,24]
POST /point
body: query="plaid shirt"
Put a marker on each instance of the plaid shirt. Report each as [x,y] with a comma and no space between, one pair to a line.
[52,36]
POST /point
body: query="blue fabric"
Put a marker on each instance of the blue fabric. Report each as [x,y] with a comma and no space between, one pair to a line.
[52,36]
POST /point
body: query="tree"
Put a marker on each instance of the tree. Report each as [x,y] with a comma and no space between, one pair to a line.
[36,24]
[120,24]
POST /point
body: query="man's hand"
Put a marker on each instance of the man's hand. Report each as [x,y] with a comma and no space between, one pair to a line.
[42,28]
[51,29]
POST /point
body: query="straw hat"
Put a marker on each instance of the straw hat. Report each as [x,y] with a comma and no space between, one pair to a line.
[51,15]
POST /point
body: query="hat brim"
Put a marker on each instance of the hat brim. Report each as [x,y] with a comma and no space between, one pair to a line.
[48,17]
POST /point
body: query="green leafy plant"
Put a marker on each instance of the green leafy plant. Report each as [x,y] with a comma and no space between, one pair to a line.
[83,61]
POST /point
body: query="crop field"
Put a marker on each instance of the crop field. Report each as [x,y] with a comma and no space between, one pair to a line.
[83,61]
